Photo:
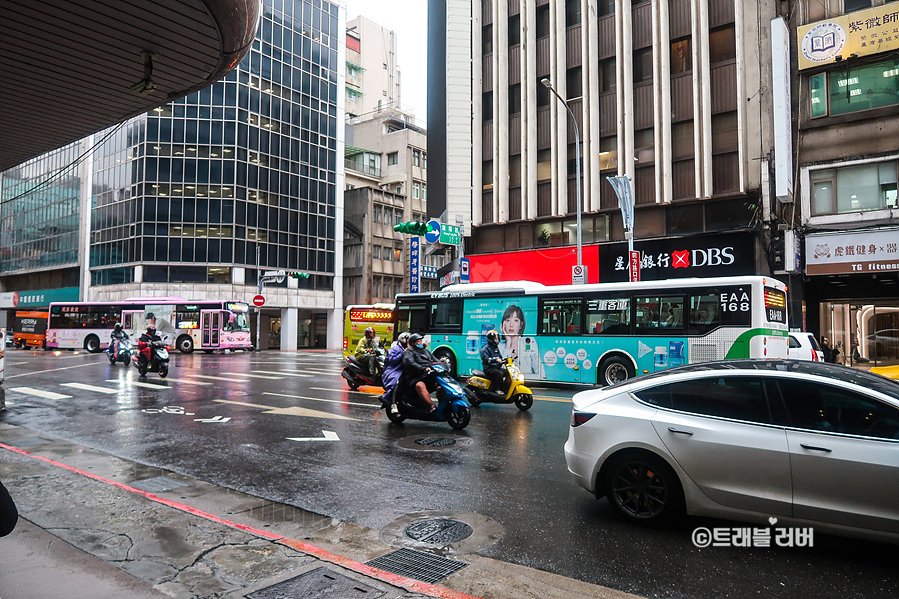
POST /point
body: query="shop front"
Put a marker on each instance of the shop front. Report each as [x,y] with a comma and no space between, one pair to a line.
[853,294]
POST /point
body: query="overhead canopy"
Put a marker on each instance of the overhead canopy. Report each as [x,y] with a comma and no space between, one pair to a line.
[69,68]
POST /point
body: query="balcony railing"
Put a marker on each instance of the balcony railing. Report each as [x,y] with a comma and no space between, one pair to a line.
[371,171]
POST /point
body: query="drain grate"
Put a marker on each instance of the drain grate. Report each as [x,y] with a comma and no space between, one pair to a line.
[29,441]
[159,484]
[417,565]
[439,531]
[320,583]
[436,441]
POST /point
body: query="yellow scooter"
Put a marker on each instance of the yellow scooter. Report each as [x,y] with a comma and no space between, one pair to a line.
[480,389]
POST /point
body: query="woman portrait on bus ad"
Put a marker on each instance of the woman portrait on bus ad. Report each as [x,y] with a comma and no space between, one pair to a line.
[518,346]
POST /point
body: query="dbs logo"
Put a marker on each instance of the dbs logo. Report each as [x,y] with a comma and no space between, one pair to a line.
[680,259]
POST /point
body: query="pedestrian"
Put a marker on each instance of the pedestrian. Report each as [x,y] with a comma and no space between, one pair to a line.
[9,515]
[828,351]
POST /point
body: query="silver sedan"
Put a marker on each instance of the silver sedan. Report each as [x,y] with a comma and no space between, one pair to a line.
[807,443]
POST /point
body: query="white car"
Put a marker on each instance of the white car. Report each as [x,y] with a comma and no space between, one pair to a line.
[804,346]
[807,443]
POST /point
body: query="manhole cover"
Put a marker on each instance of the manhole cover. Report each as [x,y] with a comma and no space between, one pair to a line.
[436,441]
[439,531]
[321,583]
[417,565]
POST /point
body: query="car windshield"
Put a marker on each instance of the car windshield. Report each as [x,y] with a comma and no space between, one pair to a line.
[875,382]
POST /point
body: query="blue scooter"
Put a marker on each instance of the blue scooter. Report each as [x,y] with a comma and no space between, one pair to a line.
[452,408]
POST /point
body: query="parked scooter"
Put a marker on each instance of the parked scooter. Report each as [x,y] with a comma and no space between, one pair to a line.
[452,408]
[356,372]
[120,350]
[481,389]
[152,357]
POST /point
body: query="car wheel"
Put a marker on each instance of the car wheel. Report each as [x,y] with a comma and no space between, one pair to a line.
[185,344]
[92,344]
[460,418]
[614,370]
[524,401]
[447,358]
[643,488]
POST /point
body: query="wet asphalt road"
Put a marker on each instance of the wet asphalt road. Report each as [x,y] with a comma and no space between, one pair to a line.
[510,468]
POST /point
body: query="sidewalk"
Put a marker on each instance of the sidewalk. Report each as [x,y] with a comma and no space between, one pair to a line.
[95,526]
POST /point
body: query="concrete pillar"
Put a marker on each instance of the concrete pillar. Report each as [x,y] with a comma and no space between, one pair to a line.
[335,329]
[289,329]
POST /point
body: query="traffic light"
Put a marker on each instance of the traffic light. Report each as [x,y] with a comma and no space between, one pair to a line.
[299,275]
[412,228]
[778,263]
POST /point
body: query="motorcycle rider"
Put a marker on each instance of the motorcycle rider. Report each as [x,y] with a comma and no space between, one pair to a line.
[393,369]
[365,350]
[117,335]
[417,363]
[492,360]
[148,337]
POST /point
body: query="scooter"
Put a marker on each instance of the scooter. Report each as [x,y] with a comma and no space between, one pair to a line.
[480,389]
[356,372]
[152,357]
[452,408]
[119,350]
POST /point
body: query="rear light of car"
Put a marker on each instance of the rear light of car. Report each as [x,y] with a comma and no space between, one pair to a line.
[345,343]
[579,418]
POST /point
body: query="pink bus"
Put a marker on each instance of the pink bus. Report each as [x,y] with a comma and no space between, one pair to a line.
[184,324]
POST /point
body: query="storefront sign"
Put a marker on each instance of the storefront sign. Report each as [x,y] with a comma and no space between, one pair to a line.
[9,300]
[414,264]
[40,298]
[783,110]
[855,252]
[860,33]
[550,266]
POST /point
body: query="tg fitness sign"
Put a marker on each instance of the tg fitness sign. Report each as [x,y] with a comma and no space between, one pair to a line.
[861,33]
[852,253]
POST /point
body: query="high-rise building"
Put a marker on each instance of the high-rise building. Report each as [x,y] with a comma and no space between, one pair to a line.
[199,197]
[372,73]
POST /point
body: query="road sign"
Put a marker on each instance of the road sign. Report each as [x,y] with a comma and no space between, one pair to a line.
[414,264]
[450,234]
[464,268]
[634,269]
[433,234]
[428,272]
[579,274]
[258,301]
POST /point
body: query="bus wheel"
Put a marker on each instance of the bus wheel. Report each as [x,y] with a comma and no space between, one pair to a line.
[614,370]
[446,357]
[92,344]
[185,344]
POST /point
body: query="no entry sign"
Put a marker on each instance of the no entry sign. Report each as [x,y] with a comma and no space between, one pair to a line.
[258,301]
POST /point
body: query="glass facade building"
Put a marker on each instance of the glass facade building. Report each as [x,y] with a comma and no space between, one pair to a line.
[216,187]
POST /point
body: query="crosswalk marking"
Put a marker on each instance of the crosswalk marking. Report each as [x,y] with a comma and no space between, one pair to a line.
[84,387]
[282,373]
[139,384]
[219,378]
[39,393]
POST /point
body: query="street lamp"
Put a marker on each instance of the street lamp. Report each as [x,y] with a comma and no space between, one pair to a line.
[577,142]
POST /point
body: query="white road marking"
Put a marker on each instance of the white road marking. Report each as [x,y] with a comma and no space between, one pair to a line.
[348,403]
[138,384]
[347,390]
[187,381]
[282,373]
[329,436]
[51,370]
[291,411]
[84,387]
[219,378]
[213,419]
[40,393]
[255,376]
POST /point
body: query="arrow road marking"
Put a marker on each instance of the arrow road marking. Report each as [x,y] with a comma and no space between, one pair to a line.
[213,419]
[84,387]
[40,393]
[140,384]
[291,411]
[329,436]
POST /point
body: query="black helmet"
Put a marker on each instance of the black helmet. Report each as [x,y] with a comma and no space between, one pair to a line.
[492,337]
[118,326]
[370,332]
[151,328]
[414,338]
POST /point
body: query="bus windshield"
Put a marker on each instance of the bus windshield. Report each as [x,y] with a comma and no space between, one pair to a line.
[238,322]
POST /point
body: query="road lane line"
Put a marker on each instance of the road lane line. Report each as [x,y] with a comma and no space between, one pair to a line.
[346,403]
[286,373]
[139,384]
[219,378]
[40,393]
[84,387]
[51,370]
[409,584]
[290,411]
[187,381]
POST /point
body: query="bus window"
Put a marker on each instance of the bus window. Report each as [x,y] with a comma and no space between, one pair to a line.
[609,316]
[659,312]
[412,319]
[446,316]
[562,316]
[704,313]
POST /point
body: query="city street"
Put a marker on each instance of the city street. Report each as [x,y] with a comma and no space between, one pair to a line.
[285,427]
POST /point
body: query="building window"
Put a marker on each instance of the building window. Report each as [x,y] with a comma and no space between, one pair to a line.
[397,254]
[643,66]
[854,188]
[607,75]
[376,286]
[416,189]
[514,30]
[854,5]
[424,160]
[681,56]
[487,40]
[682,140]
[416,158]
[543,21]
[399,190]
[608,153]
[393,158]
[424,191]
[722,45]
[376,214]
[818,87]
[864,88]
[572,12]
[644,146]
[398,217]
[606,7]
[542,95]
[487,106]
[515,99]
[574,83]
[376,252]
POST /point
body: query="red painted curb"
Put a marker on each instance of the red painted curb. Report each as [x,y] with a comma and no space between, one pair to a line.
[345,562]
